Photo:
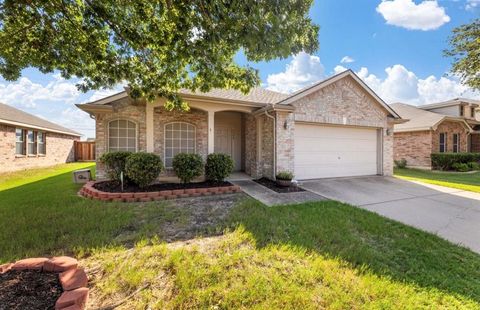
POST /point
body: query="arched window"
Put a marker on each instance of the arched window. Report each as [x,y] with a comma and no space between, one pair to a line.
[122,136]
[179,138]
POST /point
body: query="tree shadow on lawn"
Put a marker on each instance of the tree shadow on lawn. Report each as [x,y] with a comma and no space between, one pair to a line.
[365,239]
[47,217]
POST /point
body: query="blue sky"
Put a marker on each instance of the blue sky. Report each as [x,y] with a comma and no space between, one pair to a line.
[394,45]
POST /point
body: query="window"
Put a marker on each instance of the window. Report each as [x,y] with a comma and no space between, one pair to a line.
[31,143]
[461,111]
[122,136]
[472,112]
[456,139]
[20,141]
[443,142]
[179,138]
[41,143]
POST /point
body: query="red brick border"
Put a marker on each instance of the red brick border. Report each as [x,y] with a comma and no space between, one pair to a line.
[73,279]
[89,191]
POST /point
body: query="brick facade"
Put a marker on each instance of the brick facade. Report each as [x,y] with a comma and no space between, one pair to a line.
[415,147]
[59,149]
[450,128]
[344,102]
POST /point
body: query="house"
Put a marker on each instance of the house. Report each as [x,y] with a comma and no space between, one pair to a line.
[451,126]
[335,128]
[27,141]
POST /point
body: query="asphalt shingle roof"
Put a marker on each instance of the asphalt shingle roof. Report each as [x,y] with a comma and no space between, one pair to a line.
[9,113]
[419,119]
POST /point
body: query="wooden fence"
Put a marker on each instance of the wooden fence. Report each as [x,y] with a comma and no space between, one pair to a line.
[84,150]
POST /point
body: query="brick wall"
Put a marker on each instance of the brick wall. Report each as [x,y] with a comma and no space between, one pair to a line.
[346,103]
[266,164]
[59,150]
[450,128]
[285,141]
[134,113]
[415,147]
[251,165]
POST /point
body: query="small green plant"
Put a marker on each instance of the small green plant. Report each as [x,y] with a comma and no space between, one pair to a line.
[143,168]
[461,167]
[114,164]
[218,167]
[402,163]
[187,166]
[474,165]
[284,175]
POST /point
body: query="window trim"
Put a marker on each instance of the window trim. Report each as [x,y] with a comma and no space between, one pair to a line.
[24,142]
[165,140]
[34,133]
[456,146]
[44,134]
[444,142]
[121,119]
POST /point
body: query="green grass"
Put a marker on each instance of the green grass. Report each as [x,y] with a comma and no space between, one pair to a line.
[306,256]
[463,181]
[41,214]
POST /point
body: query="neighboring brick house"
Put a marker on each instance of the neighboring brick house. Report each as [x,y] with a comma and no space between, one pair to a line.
[27,141]
[337,127]
[450,126]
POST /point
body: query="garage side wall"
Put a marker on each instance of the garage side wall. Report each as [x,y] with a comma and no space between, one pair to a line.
[285,141]
[345,102]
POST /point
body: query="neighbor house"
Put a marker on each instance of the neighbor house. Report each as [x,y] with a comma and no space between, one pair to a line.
[27,141]
[335,128]
[451,126]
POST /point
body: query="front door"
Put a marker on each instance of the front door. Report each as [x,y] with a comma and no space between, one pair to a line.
[227,141]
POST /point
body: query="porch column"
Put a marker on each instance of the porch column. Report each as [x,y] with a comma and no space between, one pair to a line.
[149,126]
[211,132]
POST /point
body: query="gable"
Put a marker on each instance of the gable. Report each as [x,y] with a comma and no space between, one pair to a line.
[343,102]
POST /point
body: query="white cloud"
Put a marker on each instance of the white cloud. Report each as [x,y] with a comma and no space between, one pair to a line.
[426,15]
[102,93]
[303,70]
[472,5]
[346,60]
[27,94]
[339,69]
[402,85]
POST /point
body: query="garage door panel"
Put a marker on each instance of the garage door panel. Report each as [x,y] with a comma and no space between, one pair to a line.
[333,151]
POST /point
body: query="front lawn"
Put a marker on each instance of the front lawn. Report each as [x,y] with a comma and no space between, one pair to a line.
[306,256]
[463,181]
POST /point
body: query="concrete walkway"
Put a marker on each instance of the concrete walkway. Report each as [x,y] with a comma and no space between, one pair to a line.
[270,198]
[450,213]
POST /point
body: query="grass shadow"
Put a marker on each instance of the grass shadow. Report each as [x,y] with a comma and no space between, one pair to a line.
[364,240]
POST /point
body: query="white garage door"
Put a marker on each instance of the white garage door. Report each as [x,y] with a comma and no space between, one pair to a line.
[334,151]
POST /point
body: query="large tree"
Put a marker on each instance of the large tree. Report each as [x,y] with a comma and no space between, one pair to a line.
[156,46]
[465,50]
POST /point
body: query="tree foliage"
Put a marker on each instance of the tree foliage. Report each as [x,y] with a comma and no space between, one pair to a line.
[465,50]
[156,46]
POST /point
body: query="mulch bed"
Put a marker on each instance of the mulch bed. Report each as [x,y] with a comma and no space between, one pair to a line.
[279,189]
[29,289]
[114,187]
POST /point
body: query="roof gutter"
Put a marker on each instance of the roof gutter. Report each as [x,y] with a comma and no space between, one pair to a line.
[25,125]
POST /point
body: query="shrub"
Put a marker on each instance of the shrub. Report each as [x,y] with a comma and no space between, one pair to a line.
[461,167]
[402,163]
[444,161]
[187,166]
[218,167]
[143,168]
[284,175]
[114,164]
[474,166]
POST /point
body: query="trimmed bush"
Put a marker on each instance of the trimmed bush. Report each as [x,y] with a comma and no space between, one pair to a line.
[444,161]
[402,163]
[474,166]
[143,168]
[218,167]
[284,175]
[187,166]
[461,167]
[114,164]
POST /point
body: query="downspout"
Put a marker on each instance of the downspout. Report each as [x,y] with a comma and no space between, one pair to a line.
[274,142]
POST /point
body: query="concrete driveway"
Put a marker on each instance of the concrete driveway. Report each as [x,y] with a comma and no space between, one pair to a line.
[450,213]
